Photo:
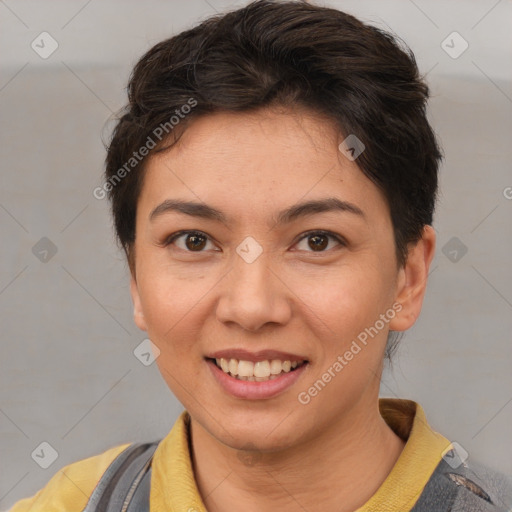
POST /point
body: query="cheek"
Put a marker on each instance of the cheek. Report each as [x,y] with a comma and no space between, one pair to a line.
[349,299]
[171,307]
[351,349]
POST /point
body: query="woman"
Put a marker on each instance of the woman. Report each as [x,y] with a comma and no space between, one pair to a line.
[273,182]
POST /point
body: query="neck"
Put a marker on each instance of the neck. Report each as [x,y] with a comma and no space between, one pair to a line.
[341,468]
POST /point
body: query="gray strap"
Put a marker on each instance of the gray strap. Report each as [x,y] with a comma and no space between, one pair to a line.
[119,483]
[140,499]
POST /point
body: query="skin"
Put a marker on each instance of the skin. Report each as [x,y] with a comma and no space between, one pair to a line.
[336,450]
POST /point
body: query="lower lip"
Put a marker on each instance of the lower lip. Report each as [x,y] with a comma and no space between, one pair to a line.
[254,390]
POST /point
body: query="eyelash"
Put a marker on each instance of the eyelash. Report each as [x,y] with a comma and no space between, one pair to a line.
[329,234]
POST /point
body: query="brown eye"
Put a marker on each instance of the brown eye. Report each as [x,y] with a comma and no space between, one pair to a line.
[194,241]
[317,241]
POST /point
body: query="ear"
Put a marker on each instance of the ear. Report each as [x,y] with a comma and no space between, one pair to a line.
[412,281]
[138,315]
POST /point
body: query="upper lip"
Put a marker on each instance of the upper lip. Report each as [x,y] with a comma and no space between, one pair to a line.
[262,355]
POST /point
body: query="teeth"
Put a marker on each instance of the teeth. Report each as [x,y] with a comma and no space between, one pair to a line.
[223,364]
[262,369]
[245,368]
[275,367]
[232,366]
[259,371]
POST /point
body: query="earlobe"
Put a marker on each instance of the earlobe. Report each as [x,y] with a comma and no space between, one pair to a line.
[138,315]
[412,280]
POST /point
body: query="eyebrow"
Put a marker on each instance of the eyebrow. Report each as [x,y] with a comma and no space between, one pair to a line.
[294,212]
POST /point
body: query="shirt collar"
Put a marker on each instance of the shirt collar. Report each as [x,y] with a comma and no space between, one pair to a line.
[422,453]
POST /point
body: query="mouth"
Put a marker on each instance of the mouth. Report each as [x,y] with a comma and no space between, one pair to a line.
[259,371]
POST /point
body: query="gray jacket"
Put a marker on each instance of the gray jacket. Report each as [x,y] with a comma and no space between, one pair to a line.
[469,487]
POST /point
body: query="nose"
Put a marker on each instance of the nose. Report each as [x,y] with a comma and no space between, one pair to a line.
[253,294]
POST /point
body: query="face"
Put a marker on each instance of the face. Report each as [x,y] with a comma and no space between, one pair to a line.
[261,278]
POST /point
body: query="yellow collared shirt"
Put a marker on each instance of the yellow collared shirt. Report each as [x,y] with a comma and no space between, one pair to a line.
[173,487]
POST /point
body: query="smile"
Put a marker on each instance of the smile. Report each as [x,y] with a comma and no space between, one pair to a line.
[256,371]
[256,380]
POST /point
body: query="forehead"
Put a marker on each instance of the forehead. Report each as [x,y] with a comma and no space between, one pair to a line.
[259,137]
[258,160]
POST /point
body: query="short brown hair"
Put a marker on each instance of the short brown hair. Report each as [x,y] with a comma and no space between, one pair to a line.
[287,53]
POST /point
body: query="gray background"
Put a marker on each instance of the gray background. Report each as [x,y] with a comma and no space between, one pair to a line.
[69,376]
